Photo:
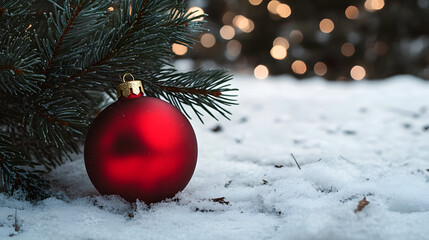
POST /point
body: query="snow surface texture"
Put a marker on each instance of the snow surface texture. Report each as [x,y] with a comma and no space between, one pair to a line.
[350,139]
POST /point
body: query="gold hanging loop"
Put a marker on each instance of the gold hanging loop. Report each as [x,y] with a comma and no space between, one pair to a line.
[127,74]
[126,88]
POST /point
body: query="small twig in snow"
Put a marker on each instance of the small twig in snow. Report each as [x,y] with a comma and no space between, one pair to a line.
[346,159]
[220,200]
[295,161]
[15,224]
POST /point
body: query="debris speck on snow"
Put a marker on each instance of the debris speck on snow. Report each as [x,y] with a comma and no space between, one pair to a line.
[217,128]
[362,204]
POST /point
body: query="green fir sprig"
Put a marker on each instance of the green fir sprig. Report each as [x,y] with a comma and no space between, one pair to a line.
[59,59]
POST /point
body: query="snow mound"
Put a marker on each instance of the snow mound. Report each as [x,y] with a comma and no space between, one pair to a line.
[351,140]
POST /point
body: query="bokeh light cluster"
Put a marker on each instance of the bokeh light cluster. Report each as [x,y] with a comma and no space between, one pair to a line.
[337,40]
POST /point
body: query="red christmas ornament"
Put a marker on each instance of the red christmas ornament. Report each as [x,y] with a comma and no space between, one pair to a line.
[140,147]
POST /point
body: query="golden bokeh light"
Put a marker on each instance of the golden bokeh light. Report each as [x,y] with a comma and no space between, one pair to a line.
[272,6]
[244,24]
[195,12]
[255,2]
[374,5]
[278,52]
[281,41]
[29,26]
[320,69]
[352,12]
[326,25]
[283,10]
[348,49]
[233,48]
[261,72]
[179,49]
[358,72]
[249,27]
[227,32]
[299,67]
[110,9]
[208,40]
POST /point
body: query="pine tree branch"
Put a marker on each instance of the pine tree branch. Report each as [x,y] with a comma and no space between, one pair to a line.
[138,20]
[80,50]
[134,23]
[92,67]
[194,91]
[109,55]
[13,175]
[51,118]
[70,23]
[83,72]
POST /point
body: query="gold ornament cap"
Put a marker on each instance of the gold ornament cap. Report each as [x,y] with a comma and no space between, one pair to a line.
[127,87]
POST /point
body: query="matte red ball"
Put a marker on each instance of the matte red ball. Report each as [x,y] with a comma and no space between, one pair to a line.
[140,148]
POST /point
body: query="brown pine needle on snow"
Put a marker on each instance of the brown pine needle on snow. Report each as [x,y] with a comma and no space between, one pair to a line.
[362,204]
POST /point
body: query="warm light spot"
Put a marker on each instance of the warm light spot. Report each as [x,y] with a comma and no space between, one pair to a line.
[381,48]
[227,17]
[261,72]
[358,72]
[283,10]
[110,9]
[29,26]
[179,49]
[249,27]
[326,25]
[131,10]
[195,12]
[348,49]
[278,52]
[233,48]
[296,36]
[208,40]
[243,23]
[374,5]
[272,6]
[299,67]
[240,21]
[255,2]
[320,68]
[174,13]
[352,12]
[227,32]
[281,41]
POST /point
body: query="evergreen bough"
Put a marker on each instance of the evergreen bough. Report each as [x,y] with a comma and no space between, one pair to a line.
[59,59]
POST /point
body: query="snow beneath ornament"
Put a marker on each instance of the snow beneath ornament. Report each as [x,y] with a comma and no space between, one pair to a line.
[351,140]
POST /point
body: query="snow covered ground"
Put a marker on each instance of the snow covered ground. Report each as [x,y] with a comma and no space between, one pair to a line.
[351,140]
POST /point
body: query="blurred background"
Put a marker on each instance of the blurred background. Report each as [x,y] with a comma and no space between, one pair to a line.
[338,40]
